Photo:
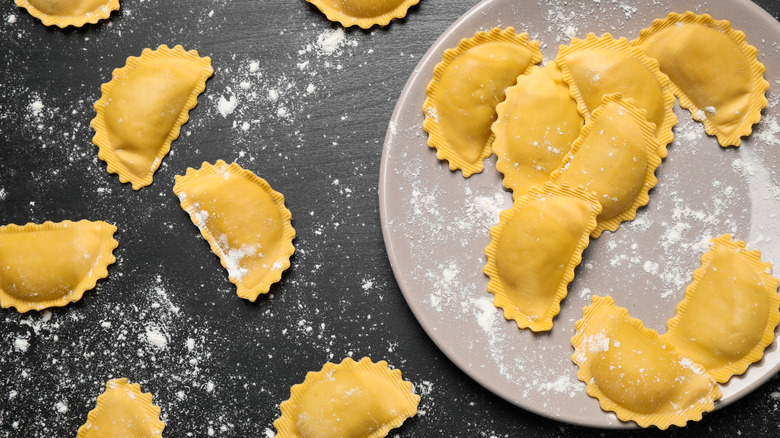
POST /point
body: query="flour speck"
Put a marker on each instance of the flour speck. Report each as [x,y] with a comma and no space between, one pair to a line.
[61,407]
[156,338]
[21,345]
[227,106]
[36,107]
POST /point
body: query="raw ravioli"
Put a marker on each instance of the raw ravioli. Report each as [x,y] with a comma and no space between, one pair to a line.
[616,156]
[714,72]
[53,264]
[63,13]
[734,284]
[348,400]
[534,249]
[123,411]
[144,106]
[536,125]
[243,219]
[363,13]
[598,66]
[634,373]
[466,87]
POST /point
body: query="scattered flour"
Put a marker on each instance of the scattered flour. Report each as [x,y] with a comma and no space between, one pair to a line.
[486,314]
[21,345]
[562,385]
[692,366]
[768,131]
[651,267]
[61,407]
[227,106]
[481,210]
[36,107]
[156,337]
[595,343]
[329,41]
[234,256]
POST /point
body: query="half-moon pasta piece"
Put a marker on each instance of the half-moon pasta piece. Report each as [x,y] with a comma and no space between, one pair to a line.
[243,219]
[363,13]
[534,249]
[467,84]
[349,400]
[734,284]
[64,13]
[144,106]
[123,411]
[598,66]
[53,264]
[636,374]
[536,125]
[616,156]
[715,73]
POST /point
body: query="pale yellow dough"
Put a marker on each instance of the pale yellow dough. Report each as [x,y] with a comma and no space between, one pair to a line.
[53,264]
[634,373]
[536,126]
[534,249]
[63,13]
[363,13]
[714,71]
[734,284]
[599,66]
[467,84]
[347,400]
[123,411]
[143,107]
[243,219]
[616,156]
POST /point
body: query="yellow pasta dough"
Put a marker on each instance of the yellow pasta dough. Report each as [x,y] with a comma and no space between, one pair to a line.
[123,411]
[143,107]
[534,249]
[63,13]
[734,284]
[347,400]
[616,156]
[53,264]
[243,219]
[363,13]
[714,71]
[598,66]
[535,127]
[466,87]
[636,374]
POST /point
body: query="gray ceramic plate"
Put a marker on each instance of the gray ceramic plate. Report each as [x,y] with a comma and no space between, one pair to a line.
[436,223]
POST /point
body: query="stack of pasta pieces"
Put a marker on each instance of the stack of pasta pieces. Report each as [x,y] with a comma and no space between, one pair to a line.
[578,142]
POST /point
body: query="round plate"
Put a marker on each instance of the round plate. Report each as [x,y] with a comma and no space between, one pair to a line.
[436,223]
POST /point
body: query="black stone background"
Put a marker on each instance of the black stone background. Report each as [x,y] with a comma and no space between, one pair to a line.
[339,298]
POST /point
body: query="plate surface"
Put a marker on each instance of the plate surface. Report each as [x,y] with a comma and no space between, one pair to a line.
[436,223]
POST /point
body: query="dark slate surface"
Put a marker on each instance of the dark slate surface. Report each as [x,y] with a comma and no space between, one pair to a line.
[229,363]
